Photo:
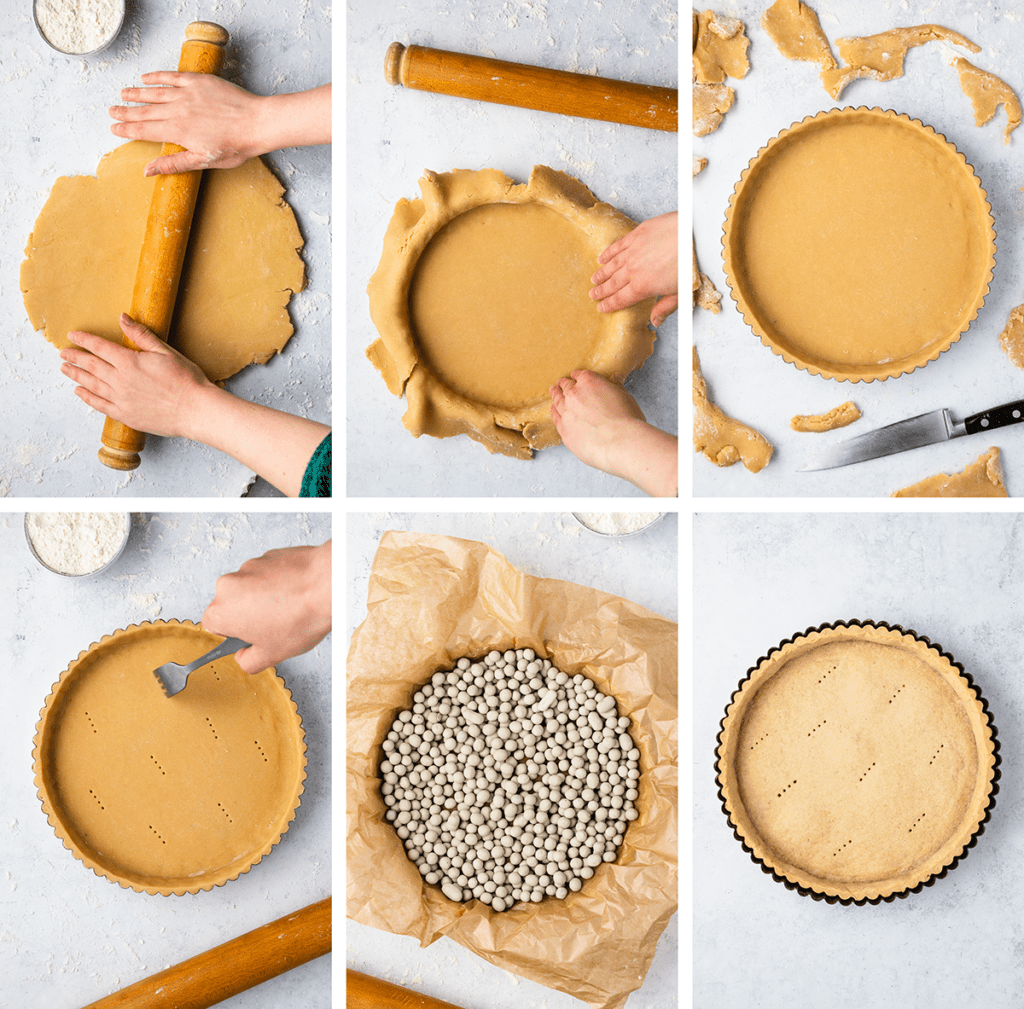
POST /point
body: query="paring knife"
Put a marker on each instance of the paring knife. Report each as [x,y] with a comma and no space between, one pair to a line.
[173,677]
[915,432]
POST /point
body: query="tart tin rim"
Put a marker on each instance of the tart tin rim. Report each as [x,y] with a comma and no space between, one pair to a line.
[218,878]
[994,774]
[894,369]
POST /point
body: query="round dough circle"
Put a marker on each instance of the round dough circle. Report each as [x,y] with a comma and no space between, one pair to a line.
[481,299]
[859,244]
[856,761]
[241,268]
[168,794]
[500,304]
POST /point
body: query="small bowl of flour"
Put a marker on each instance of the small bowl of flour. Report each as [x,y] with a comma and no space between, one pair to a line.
[75,544]
[78,27]
[617,525]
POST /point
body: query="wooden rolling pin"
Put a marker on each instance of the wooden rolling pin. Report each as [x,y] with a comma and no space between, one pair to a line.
[487,80]
[164,242]
[235,966]
[365,992]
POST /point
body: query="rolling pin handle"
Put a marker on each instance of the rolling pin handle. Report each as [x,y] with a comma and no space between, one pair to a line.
[207,31]
[119,459]
[393,63]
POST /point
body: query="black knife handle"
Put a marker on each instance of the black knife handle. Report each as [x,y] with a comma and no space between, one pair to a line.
[998,416]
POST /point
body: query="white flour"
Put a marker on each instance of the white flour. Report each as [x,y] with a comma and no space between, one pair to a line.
[76,543]
[78,26]
[616,523]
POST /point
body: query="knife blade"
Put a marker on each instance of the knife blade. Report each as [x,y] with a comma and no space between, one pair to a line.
[915,432]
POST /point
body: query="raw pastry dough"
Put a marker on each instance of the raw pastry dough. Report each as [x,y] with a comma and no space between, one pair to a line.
[982,478]
[705,294]
[1012,337]
[987,92]
[168,794]
[881,56]
[720,438]
[710,104]
[841,416]
[241,268]
[795,30]
[482,302]
[817,253]
[720,49]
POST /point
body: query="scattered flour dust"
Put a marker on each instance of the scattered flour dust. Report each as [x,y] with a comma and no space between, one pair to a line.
[78,26]
[617,523]
[76,543]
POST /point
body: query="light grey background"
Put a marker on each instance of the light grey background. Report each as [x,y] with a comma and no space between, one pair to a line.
[956,579]
[754,385]
[55,123]
[68,936]
[396,134]
[641,568]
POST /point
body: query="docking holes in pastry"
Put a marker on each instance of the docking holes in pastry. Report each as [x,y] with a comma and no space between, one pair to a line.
[785,790]
[263,752]
[839,850]
[157,764]
[935,755]
[915,823]
[97,798]
[225,812]
[759,740]
[825,675]
[157,834]
[897,694]
[824,721]
[88,718]
[866,773]
[212,729]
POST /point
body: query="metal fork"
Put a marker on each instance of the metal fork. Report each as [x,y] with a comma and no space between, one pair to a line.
[173,677]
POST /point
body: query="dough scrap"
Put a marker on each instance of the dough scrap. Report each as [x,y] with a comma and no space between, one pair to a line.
[881,56]
[699,164]
[982,478]
[840,416]
[705,294]
[1012,337]
[458,337]
[710,104]
[987,92]
[241,268]
[720,438]
[720,49]
[797,33]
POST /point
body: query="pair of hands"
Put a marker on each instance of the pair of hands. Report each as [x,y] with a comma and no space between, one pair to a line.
[280,603]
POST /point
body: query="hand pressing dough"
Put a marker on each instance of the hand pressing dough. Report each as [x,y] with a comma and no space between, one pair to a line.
[987,92]
[168,794]
[241,268]
[482,301]
[796,32]
[982,478]
[841,416]
[881,56]
[720,438]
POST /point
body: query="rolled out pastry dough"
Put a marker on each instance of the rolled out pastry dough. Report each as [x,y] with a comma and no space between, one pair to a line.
[482,302]
[241,268]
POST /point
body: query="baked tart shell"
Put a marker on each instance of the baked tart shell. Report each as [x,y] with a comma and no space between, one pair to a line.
[857,762]
[167,795]
[859,244]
